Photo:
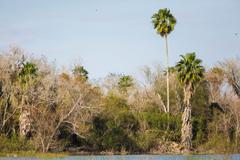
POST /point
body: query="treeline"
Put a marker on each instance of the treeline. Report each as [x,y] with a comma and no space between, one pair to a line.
[44,110]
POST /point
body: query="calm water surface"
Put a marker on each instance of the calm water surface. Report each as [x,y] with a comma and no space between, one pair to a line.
[142,157]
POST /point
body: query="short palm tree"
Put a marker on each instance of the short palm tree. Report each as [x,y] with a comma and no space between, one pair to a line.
[164,22]
[190,73]
[28,71]
[80,72]
[125,82]
[26,78]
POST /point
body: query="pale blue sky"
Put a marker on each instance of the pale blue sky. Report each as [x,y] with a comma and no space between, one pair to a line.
[117,36]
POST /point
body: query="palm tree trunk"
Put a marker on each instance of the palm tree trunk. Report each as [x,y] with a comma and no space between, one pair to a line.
[237,132]
[186,120]
[166,49]
[24,119]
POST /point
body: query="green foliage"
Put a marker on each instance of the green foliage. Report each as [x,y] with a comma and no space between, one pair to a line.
[28,71]
[114,128]
[147,140]
[199,130]
[190,70]
[81,72]
[125,82]
[200,101]
[118,127]
[164,22]
[219,144]
[14,143]
[168,127]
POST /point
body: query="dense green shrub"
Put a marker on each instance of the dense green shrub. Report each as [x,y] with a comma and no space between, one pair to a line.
[199,128]
[14,143]
[114,127]
[218,144]
[168,126]
[147,139]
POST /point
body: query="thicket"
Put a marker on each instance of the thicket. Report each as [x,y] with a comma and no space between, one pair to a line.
[44,109]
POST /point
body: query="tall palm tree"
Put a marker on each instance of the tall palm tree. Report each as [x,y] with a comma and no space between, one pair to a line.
[164,22]
[190,73]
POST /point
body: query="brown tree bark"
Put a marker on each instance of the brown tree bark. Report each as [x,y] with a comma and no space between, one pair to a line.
[186,130]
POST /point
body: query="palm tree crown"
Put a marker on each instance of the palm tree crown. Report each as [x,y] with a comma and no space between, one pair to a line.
[28,70]
[125,82]
[81,72]
[190,70]
[164,22]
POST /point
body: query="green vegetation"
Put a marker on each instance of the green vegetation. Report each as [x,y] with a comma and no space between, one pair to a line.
[14,143]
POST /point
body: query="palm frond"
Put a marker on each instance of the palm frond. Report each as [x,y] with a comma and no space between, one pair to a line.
[164,22]
[189,69]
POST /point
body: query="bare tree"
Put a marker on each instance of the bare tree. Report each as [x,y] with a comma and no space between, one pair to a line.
[70,104]
[231,68]
[8,75]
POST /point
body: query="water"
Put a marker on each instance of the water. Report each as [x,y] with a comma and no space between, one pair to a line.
[142,157]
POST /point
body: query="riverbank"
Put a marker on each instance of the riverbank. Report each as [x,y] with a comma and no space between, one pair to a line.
[34,154]
[134,157]
[103,153]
